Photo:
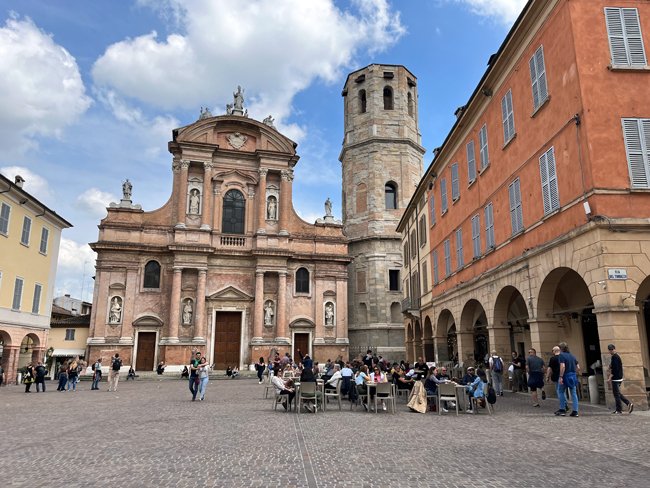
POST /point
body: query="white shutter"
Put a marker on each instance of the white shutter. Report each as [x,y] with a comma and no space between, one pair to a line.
[443,195]
[471,162]
[636,147]
[504,116]
[633,37]
[483,143]
[538,77]
[459,248]
[513,207]
[455,186]
[543,171]
[432,208]
[625,38]
[18,294]
[511,115]
[436,279]
[36,303]
[533,79]
[447,257]
[519,212]
[476,235]
[554,194]
[616,36]
[489,226]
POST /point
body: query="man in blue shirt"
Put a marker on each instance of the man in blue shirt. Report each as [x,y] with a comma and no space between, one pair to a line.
[568,380]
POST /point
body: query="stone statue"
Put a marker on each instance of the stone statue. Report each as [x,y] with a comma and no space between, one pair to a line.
[115,317]
[205,113]
[272,209]
[229,109]
[195,201]
[239,99]
[268,313]
[126,190]
[187,312]
[269,121]
[328,207]
[329,314]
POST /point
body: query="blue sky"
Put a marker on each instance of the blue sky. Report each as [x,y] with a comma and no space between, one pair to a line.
[92,89]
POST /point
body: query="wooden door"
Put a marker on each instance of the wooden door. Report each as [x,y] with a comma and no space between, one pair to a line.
[300,341]
[227,340]
[146,351]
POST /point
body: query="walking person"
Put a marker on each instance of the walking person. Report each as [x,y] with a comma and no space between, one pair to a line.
[40,376]
[568,380]
[97,374]
[63,376]
[28,379]
[615,378]
[114,372]
[194,374]
[73,375]
[535,370]
[519,367]
[495,364]
[204,377]
[260,367]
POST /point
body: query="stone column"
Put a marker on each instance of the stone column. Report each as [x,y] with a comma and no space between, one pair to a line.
[281,315]
[499,336]
[261,204]
[38,354]
[258,320]
[217,209]
[182,194]
[340,317]
[543,336]
[206,211]
[465,343]
[199,320]
[285,200]
[10,364]
[174,307]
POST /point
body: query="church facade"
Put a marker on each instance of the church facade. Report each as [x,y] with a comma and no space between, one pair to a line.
[226,266]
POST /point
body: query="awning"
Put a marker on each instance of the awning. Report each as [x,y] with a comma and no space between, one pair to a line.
[68,352]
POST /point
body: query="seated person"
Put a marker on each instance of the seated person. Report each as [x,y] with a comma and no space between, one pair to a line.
[307,376]
[131,374]
[360,381]
[469,377]
[185,373]
[333,382]
[431,384]
[161,367]
[347,376]
[228,371]
[402,381]
[377,376]
[442,374]
[235,372]
[475,389]
[282,388]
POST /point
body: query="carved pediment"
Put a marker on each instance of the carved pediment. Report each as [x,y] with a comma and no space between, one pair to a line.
[302,322]
[231,293]
[150,319]
[235,174]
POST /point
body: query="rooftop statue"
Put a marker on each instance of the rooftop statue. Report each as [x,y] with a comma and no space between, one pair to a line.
[237,107]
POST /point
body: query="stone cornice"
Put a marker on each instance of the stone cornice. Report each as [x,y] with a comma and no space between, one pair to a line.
[382,140]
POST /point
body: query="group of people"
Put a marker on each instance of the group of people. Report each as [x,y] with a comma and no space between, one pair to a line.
[199,376]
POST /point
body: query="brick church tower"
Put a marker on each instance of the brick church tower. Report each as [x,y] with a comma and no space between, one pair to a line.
[382,165]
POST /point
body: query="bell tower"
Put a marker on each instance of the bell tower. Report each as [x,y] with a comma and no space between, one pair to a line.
[382,165]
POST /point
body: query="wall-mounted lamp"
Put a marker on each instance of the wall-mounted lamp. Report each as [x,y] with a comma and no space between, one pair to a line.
[603,283]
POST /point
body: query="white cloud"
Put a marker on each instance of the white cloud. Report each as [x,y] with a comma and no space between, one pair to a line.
[504,11]
[95,201]
[273,48]
[34,184]
[76,266]
[42,90]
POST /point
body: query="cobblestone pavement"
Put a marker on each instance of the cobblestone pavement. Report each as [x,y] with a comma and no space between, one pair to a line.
[149,434]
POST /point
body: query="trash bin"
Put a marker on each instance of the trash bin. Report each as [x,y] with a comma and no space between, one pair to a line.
[19,378]
[593,389]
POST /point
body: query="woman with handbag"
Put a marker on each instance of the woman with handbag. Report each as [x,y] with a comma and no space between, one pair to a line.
[29,377]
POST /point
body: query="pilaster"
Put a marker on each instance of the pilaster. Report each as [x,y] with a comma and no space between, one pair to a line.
[281,325]
[258,321]
[286,179]
[208,197]
[182,194]
[174,306]
[200,323]
[261,202]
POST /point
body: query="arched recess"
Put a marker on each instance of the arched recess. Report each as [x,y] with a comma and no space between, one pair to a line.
[388,98]
[565,311]
[361,198]
[445,337]
[5,343]
[28,351]
[362,101]
[510,330]
[427,333]
[396,312]
[642,300]
[473,341]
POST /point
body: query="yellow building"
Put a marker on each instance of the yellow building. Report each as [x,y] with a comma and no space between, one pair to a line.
[30,234]
[67,340]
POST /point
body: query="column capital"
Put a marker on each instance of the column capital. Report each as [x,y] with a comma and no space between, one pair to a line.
[263,172]
[176,166]
[202,271]
[260,272]
[208,165]
[185,164]
[178,269]
[283,272]
[287,175]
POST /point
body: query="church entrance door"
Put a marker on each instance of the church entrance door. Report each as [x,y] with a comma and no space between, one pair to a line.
[227,339]
[300,341]
[146,351]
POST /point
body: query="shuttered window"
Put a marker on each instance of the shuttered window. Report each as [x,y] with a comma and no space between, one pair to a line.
[483,143]
[459,248]
[36,303]
[425,277]
[27,227]
[436,276]
[489,226]
[471,162]
[508,115]
[455,186]
[443,195]
[538,78]
[476,235]
[18,294]
[625,39]
[447,246]
[432,209]
[45,233]
[516,212]
[5,211]
[423,230]
[637,147]
[550,195]
[406,251]
[414,243]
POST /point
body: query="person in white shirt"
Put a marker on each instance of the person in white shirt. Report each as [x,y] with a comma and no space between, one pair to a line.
[333,382]
[281,387]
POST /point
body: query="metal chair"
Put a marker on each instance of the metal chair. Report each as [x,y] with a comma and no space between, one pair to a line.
[474,401]
[268,386]
[307,393]
[447,393]
[280,399]
[360,398]
[385,392]
[333,394]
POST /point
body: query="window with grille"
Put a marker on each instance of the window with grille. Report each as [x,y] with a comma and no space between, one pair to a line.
[459,248]
[625,38]
[550,195]
[471,162]
[489,227]
[447,246]
[516,212]
[476,236]
[234,210]
[455,184]
[483,143]
[637,147]
[152,275]
[5,211]
[508,116]
[538,78]
[27,228]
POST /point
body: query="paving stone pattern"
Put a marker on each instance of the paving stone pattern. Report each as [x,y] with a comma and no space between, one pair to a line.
[149,434]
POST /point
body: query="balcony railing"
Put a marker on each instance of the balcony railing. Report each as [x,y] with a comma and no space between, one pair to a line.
[233,241]
[410,304]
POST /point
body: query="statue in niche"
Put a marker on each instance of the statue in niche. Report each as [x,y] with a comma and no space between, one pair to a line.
[187,312]
[328,207]
[268,313]
[195,201]
[126,190]
[115,316]
[272,209]
[329,313]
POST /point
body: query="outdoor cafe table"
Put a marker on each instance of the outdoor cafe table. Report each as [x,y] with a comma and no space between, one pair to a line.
[373,386]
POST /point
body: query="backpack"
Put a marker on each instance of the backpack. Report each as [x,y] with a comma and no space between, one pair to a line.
[491,396]
[97,367]
[117,364]
[497,365]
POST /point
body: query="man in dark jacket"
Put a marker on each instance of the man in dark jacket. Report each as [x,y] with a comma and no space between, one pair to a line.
[615,379]
[40,376]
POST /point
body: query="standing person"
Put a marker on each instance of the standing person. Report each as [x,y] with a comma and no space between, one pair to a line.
[2,376]
[97,374]
[40,376]
[535,370]
[28,379]
[204,378]
[114,372]
[615,378]
[194,375]
[260,367]
[569,369]
[519,366]
[495,364]
[553,370]
[73,374]
[63,376]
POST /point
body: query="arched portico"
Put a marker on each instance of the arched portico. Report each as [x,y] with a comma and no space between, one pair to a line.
[429,349]
[510,330]
[445,345]
[473,342]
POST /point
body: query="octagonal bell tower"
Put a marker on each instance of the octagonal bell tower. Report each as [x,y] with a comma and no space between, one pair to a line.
[382,165]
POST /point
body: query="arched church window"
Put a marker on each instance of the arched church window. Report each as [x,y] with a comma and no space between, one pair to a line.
[362,101]
[234,211]
[388,98]
[152,275]
[302,280]
[391,196]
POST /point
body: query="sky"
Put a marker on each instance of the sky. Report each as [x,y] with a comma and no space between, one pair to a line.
[91,90]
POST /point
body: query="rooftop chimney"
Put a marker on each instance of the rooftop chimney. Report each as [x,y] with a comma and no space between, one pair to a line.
[19,180]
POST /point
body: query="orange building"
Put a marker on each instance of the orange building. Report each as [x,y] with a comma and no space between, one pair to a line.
[537,204]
